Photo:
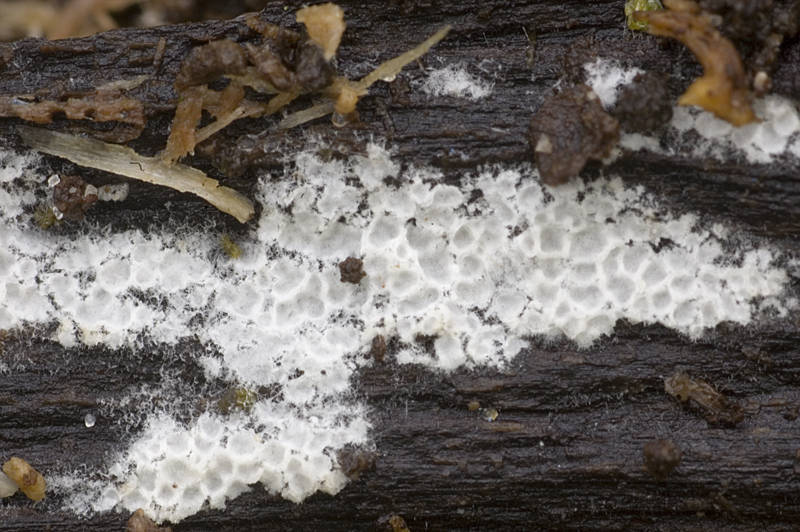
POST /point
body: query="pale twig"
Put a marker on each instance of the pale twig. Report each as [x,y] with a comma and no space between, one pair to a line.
[387,70]
[124,161]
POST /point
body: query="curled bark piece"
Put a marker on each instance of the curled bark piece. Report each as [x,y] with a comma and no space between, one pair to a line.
[30,481]
[722,89]
[124,161]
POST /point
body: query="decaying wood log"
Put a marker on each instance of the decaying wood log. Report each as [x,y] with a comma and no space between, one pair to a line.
[565,451]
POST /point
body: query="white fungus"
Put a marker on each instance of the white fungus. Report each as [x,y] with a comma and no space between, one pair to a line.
[455,82]
[481,277]
[606,78]
[693,132]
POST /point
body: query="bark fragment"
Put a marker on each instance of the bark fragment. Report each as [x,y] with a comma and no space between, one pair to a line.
[569,129]
[139,522]
[717,407]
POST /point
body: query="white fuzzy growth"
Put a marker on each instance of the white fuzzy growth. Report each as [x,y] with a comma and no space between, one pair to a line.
[606,78]
[456,82]
[481,276]
[776,134]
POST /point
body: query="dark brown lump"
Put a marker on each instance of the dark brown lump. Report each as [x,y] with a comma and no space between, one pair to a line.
[354,461]
[73,197]
[755,20]
[291,63]
[661,457]
[644,104]
[139,522]
[758,28]
[378,349]
[351,270]
[569,129]
[717,407]
[208,63]
[580,52]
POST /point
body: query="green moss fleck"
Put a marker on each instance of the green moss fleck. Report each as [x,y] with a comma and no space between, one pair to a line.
[231,248]
[237,398]
[632,6]
[45,217]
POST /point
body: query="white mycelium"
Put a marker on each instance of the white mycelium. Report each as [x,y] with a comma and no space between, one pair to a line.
[482,267]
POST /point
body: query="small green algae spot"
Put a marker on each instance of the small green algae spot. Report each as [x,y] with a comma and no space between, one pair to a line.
[231,248]
[631,6]
[237,398]
[45,217]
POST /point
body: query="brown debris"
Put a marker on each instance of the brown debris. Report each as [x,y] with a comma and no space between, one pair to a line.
[660,458]
[718,408]
[644,104]
[398,524]
[723,88]
[301,68]
[325,26]
[182,138]
[30,481]
[580,52]
[72,197]
[758,28]
[378,349]
[569,129]
[100,106]
[208,63]
[286,64]
[351,270]
[354,461]
[139,522]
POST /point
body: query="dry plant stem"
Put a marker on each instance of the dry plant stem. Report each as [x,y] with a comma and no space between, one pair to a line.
[722,89]
[393,66]
[306,115]
[388,69]
[245,110]
[124,161]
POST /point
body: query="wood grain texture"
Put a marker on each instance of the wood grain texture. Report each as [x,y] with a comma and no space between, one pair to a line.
[565,452]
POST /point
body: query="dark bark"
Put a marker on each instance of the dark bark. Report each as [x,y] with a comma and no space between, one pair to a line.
[566,449]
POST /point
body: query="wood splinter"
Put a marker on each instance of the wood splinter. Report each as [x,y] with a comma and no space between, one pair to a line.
[124,161]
